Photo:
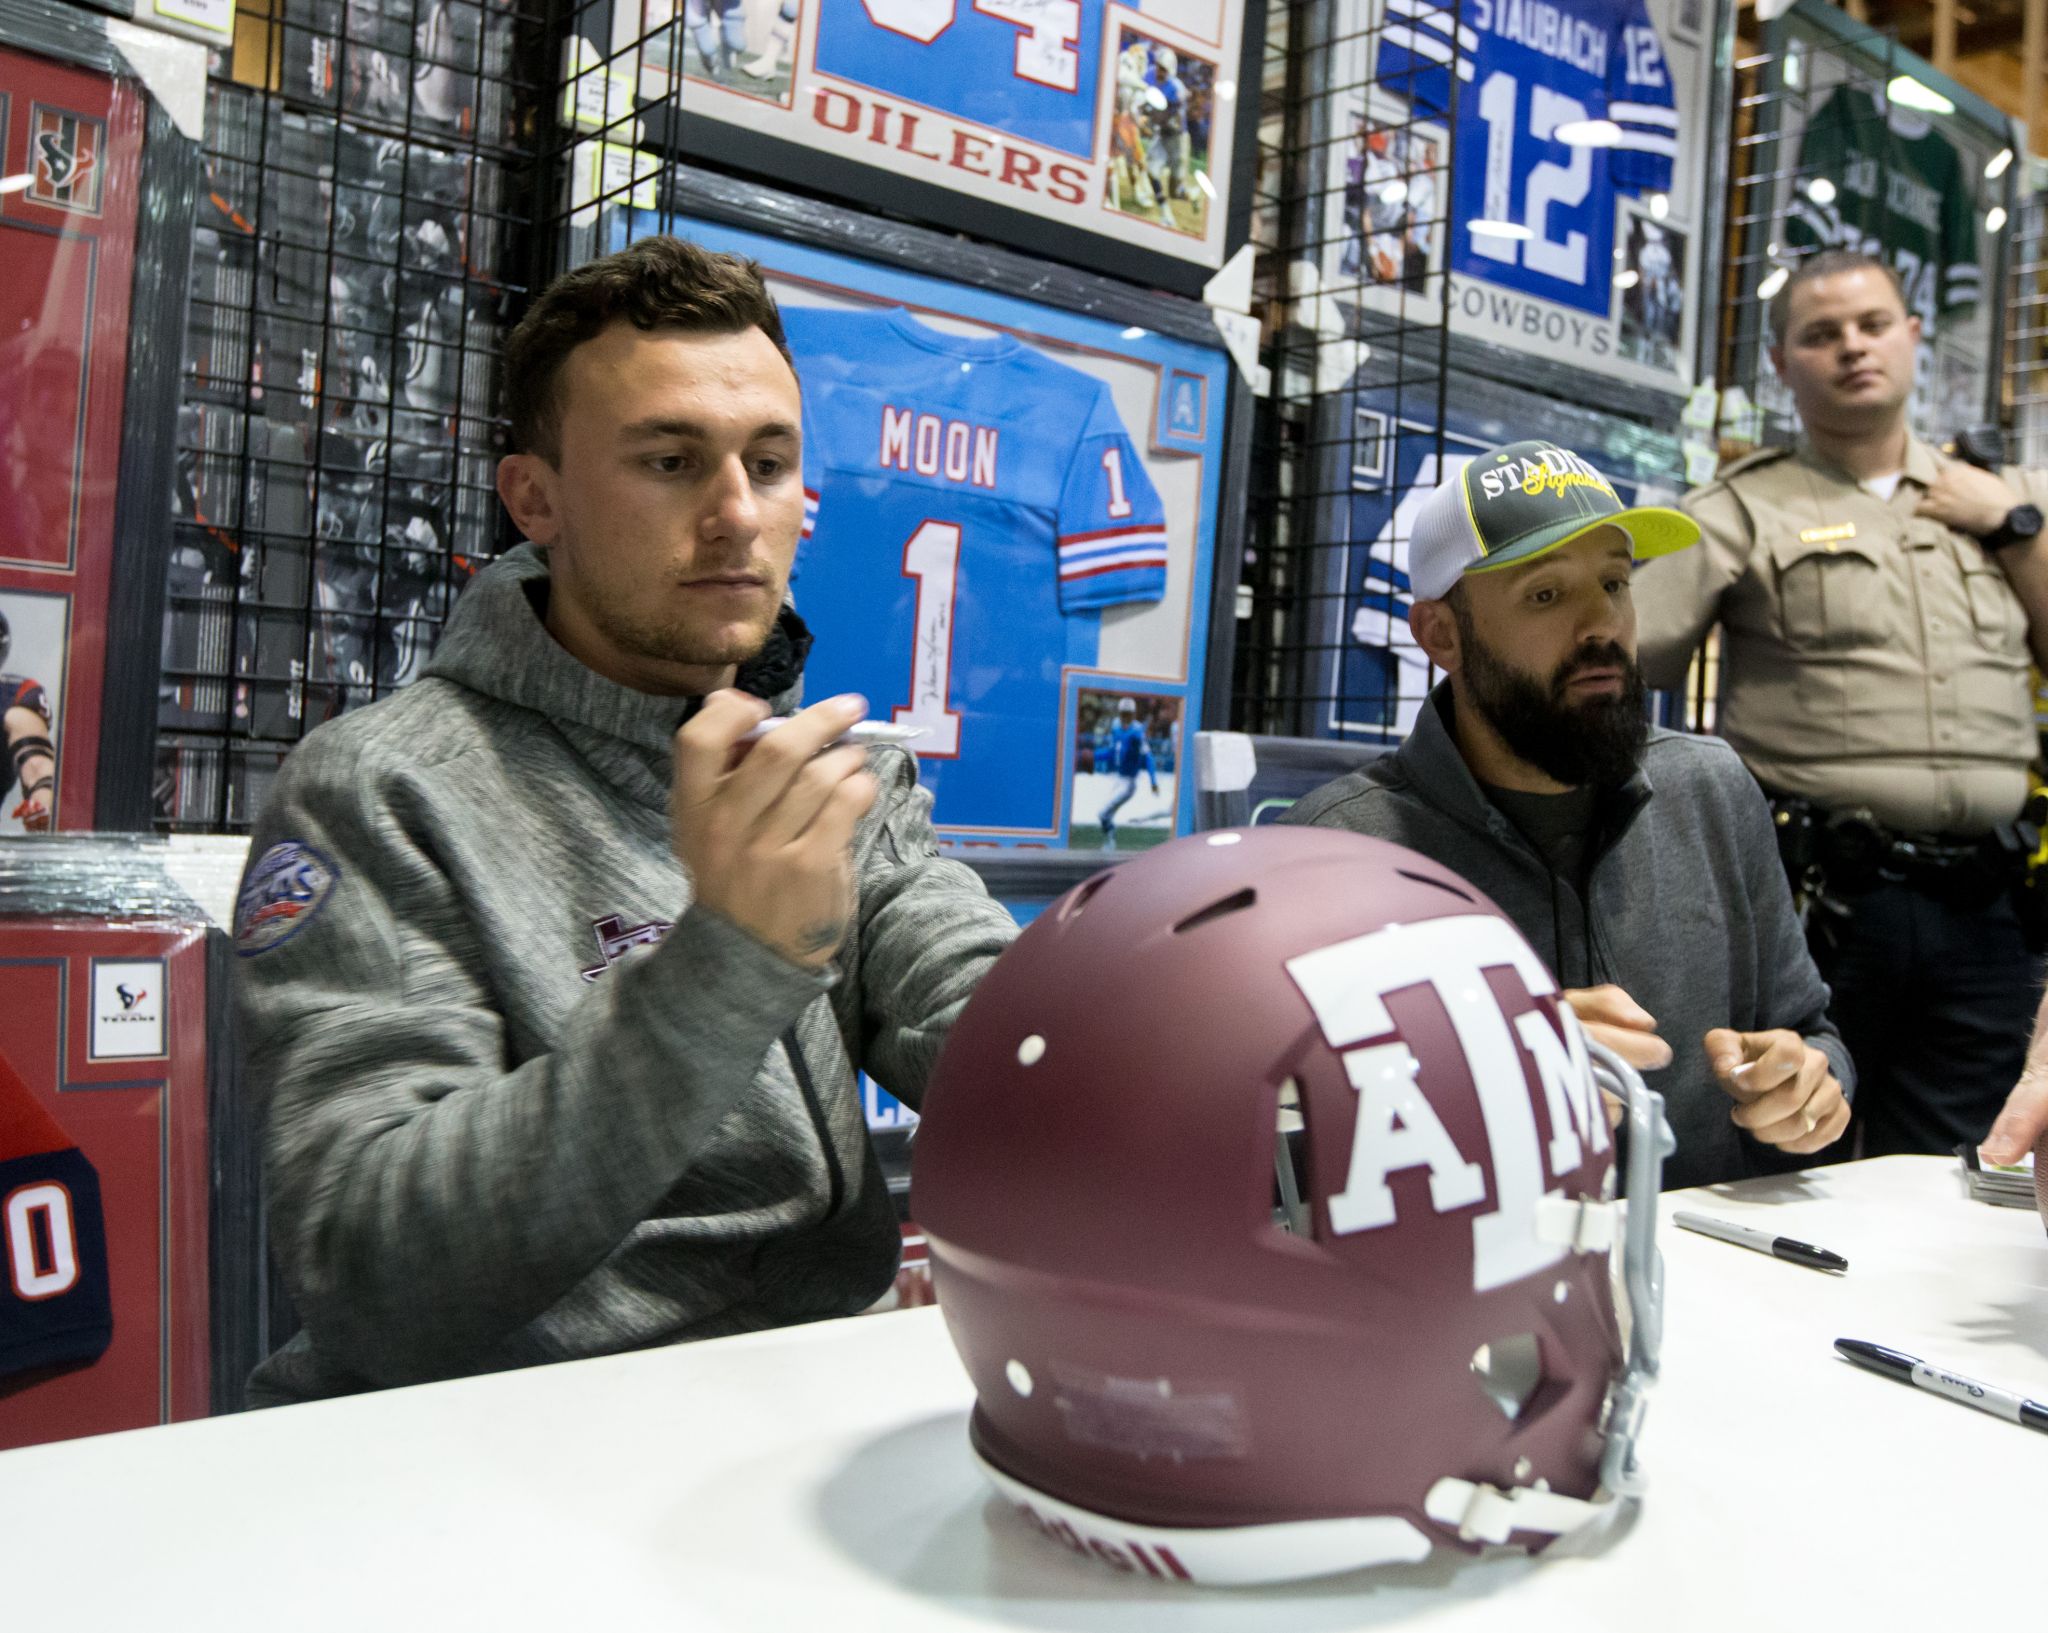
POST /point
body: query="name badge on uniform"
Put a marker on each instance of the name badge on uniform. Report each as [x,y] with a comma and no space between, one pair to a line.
[1827,535]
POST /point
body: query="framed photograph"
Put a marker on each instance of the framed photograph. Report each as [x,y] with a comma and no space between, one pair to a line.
[1105,135]
[1126,768]
[1009,504]
[1652,285]
[35,669]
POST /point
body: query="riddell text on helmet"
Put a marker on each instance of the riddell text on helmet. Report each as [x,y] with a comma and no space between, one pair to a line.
[1154,1559]
[1347,986]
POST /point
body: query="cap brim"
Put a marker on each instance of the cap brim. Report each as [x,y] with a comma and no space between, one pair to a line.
[1653,530]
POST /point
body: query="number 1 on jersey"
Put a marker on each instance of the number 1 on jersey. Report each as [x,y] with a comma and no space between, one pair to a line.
[932,557]
[1113,468]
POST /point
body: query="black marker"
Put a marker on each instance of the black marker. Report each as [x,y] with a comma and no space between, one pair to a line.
[1762,1241]
[1908,1369]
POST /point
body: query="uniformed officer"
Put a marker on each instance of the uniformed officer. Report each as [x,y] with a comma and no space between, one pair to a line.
[1878,603]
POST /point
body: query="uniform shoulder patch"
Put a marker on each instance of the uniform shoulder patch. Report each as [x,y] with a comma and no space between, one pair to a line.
[282,893]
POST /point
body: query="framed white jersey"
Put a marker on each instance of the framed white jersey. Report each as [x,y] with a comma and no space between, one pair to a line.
[1107,134]
[1011,514]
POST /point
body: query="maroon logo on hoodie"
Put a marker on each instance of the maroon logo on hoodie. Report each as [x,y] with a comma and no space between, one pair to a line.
[614,938]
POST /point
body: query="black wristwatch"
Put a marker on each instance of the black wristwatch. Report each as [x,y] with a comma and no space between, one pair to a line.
[2022,522]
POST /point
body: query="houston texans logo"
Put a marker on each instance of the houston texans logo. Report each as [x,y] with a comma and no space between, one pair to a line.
[67,148]
[60,159]
[129,999]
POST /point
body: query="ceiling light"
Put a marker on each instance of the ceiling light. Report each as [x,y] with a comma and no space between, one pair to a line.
[1995,219]
[1821,190]
[16,184]
[1908,92]
[2000,161]
[1587,133]
[1772,284]
[1628,279]
[1499,229]
[1660,206]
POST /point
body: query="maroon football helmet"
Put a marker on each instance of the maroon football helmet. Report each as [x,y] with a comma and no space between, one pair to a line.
[1269,1192]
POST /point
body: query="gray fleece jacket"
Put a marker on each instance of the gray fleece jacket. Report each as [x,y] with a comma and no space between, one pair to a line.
[513,1115]
[1686,908]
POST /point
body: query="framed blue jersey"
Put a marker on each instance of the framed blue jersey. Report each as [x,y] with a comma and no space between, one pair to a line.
[1537,214]
[1098,132]
[1579,124]
[1016,62]
[1006,493]
[994,520]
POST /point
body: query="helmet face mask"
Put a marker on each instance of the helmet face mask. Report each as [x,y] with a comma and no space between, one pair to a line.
[1295,1257]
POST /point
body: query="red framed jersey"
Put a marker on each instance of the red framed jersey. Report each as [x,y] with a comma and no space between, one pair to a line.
[67,239]
[104,1173]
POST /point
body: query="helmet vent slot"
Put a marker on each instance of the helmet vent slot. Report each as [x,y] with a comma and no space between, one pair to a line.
[1291,1210]
[1236,903]
[1509,1371]
[1081,895]
[1440,884]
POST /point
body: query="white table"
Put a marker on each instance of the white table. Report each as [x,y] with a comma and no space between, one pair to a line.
[819,1479]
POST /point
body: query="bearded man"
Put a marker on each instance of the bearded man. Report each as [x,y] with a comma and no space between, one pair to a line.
[1639,863]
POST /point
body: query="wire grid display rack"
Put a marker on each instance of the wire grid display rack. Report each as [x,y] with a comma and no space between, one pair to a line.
[2027,321]
[369,169]
[1353,198]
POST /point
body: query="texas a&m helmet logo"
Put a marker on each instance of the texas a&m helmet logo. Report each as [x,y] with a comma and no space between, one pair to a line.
[67,152]
[1347,986]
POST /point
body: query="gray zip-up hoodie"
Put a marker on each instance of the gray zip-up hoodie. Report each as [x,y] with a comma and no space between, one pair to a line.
[1686,907]
[513,1116]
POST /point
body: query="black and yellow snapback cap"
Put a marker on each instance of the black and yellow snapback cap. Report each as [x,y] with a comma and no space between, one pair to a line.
[1515,503]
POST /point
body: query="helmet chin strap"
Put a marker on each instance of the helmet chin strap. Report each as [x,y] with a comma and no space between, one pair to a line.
[1650,1141]
[1485,1513]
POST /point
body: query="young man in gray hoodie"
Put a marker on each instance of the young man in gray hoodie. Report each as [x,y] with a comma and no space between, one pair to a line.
[556,987]
[1639,863]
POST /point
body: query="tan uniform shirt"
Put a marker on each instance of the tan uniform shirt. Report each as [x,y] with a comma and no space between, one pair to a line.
[1869,656]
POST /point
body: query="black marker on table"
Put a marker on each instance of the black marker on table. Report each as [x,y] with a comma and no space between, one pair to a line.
[1762,1241]
[1910,1369]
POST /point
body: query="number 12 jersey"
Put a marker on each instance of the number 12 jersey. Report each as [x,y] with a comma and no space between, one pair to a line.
[971,505]
[1526,70]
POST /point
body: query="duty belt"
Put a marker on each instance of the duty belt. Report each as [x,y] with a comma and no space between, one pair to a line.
[1851,851]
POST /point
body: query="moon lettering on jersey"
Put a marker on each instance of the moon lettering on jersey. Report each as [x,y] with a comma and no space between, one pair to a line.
[956,450]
